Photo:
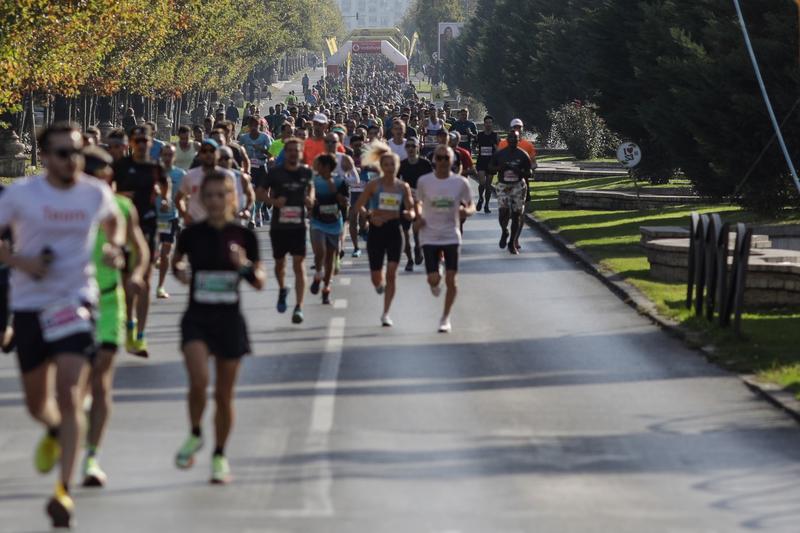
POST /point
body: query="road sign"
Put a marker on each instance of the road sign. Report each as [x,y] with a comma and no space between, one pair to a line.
[629,154]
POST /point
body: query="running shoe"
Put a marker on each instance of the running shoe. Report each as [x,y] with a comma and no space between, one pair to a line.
[337,264]
[93,475]
[410,266]
[297,316]
[130,334]
[380,289]
[60,508]
[386,321]
[504,239]
[138,348]
[479,206]
[356,253]
[282,294]
[220,470]
[418,257]
[486,209]
[162,293]
[341,253]
[512,249]
[315,286]
[436,290]
[48,452]
[445,326]
[185,457]
[326,296]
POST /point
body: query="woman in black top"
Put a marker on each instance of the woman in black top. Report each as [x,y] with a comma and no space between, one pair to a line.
[220,253]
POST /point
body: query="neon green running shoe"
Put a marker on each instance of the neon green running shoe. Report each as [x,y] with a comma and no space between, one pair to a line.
[93,475]
[220,470]
[185,456]
[138,348]
[48,452]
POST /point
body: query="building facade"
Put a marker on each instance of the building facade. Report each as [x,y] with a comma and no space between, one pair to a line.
[373,13]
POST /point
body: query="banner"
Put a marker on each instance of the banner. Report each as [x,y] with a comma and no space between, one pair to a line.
[447,32]
[331,44]
[414,39]
[366,47]
[347,79]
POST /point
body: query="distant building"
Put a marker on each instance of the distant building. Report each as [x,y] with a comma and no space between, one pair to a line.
[373,13]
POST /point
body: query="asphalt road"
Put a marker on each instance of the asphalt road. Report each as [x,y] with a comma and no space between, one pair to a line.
[552,407]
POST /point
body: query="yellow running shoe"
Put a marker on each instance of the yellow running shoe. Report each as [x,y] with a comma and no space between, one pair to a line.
[60,508]
[220,470]
[139,348]
[48,452]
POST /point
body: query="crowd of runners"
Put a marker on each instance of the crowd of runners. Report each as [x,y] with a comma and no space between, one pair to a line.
[363,158]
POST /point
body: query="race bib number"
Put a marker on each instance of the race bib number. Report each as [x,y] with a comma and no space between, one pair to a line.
[216,287]
[430,139]
[256,163]
[63,319]
[329,210]
[388,201]
[443,203]
[165,226]
[487,151]
[510,176]
[291,215]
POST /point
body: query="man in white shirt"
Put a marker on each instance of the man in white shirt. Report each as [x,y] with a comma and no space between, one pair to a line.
[54,218]
[192,210]
[398,141]
[443,200]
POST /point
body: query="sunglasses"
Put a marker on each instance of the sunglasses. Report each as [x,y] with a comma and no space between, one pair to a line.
[65,153]
[140,140]
[442,158]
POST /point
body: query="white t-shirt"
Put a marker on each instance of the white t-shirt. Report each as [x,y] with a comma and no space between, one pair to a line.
[190,186]
[66,221]
[441,200]
[399,149]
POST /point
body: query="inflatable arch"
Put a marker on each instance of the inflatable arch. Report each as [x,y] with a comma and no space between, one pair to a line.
[337,61]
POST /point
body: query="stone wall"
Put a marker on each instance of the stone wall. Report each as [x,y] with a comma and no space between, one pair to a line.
[620,200]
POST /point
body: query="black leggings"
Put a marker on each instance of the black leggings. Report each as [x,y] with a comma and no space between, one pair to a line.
[385,241]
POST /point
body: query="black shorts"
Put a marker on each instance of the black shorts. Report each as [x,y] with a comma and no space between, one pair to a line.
[482,164]
[385,241]
[33,351]
[288,241]
[224,332]
[169,237]
[4,314]
[259,177]
[432,253]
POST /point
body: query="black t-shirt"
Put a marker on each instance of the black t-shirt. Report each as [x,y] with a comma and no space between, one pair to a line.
[215,281]
[487,146]
[293,185]
[468,132]
[410,132]
[411,173]
[140,179]
[512,164]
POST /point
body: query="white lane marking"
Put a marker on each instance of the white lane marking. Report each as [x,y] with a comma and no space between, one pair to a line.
[340,303]
[345,282]
[317,493]
[347,263]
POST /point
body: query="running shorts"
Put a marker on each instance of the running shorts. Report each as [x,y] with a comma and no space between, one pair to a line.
[33,351]
[110,318]
[288,241]
[511,195]
[331,240]
[385,241]
[224,332]
[169,236]
[433,255]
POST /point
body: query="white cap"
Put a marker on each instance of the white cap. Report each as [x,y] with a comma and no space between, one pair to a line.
[321,118]
[516,122]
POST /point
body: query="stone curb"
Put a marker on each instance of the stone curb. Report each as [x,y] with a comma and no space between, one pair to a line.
[633,297]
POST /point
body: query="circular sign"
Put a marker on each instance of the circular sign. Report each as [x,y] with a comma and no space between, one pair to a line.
[356,48]
[629,154]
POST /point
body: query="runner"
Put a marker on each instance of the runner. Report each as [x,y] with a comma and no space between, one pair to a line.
[518,126]
[290,191]
[186,150]
[389,201]
[443,200]
[327,221]
[6,331]
[193,210]
[357,222]
[54,218]
[487,142]
[411,169]
[168,221]
[466,128]
[514,168]
[110,317]
[220,253]
[142,180]
[244,195]
[398,141]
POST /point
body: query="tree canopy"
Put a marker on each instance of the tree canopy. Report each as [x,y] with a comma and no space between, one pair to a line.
[153,47]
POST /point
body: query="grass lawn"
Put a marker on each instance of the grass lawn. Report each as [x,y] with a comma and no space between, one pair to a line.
[771,337]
